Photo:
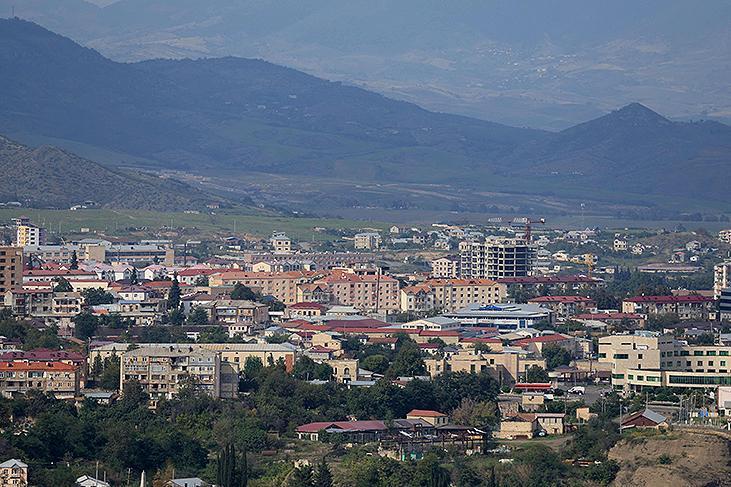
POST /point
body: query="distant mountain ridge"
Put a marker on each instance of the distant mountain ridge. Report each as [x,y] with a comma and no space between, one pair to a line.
[50,177]
[548,64]
[241,115]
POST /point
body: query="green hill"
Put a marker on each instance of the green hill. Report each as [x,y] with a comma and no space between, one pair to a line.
[48,177]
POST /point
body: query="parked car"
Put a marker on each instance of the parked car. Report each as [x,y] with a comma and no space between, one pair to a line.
[578,390]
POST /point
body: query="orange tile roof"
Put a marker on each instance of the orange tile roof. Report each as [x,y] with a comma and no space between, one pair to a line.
[36,366]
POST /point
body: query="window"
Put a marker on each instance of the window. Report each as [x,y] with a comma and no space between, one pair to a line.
[621,356]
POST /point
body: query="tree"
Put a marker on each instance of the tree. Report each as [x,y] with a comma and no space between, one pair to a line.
[307,369]
[273,303]
[198,317]
[176,317]
[408,361]
[228,474]
[133,277]
[173,301]
[63,286]
[536,374]
[322,476]
[85,325]
[241,291]
[96,296]
[473,413]
[376,363]
[300,477]
[109,378]
[201,281]
[555,356]
[74,261]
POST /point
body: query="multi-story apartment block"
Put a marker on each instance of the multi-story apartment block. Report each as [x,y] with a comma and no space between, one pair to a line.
[724,305]
[367,241]
[28,234]
[140,254]
[451,294]
[35,301]
[59,378]
[688,307]
[725,236]
[281,285]
[539,285]
[234,355]
[163,371]
[367,291]
[280,243]
[234,311]
[496,258]
[721,278]
[648,359]
[503,366]
[445,267]
[11,268]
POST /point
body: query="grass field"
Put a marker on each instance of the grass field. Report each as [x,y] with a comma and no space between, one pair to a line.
[220,222]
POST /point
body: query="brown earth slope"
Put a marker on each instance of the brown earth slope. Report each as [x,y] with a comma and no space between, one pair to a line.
[678,459]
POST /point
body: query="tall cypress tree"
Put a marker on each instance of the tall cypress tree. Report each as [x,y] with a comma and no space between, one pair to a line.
[174,294]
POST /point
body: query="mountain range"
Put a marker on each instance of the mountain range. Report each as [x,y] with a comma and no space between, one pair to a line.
[233,115]
[529,62]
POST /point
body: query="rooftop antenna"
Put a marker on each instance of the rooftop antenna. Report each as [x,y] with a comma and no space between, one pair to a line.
[12,9]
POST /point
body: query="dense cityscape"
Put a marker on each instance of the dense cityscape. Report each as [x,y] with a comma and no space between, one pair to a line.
[468,342]
[363,243]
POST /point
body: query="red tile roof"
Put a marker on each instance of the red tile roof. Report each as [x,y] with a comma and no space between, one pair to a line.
[36,366]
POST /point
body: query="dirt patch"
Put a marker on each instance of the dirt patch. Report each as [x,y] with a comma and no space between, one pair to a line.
[678,459]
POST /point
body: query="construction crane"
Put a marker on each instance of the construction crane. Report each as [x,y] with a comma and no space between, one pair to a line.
[587,260]
[528,236]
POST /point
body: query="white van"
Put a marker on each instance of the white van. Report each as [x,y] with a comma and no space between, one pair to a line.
[578,390]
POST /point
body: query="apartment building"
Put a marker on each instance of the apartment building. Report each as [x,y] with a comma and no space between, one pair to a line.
[721,278]
[366,290]
[11,268]
[688,307]
[547,285]
[506,367]
[281,285]
[280,243]
[648,359]
[445,267]
[35,301]
[496,258]
[162,371]
[725,236]
[28,234]
[140,254]
[234,355]
[58,378]
[367,241]
[724,305]
[451,294]
[234,311]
